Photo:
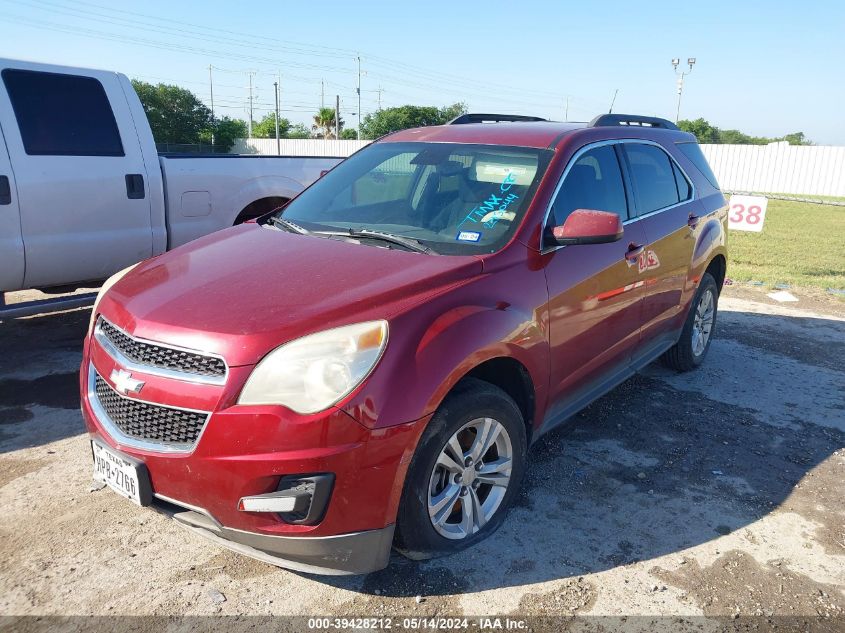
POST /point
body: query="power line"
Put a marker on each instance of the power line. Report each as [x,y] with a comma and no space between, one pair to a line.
[426,80]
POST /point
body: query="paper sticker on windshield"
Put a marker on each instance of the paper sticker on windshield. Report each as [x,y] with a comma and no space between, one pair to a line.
[468,236]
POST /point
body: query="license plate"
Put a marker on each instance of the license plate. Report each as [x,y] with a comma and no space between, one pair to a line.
[125,476]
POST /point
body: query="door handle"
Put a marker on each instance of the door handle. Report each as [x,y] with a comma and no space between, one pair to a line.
[5,190]
[633,253]
[693,220]
[135,186]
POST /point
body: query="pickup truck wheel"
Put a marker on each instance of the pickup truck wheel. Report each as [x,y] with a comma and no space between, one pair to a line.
[464,475]
[690,350]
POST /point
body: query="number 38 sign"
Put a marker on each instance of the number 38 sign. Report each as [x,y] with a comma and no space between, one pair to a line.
[747,213]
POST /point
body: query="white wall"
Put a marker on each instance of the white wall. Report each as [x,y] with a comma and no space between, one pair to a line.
[777,168]
[297,147]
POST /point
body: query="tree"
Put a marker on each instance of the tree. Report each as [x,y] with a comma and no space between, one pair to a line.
[403,117]
[226,130]
[324,123]
[175,114]
[349,134]
[455,110]
[703,131]
[266,127]
[797,138]
[299,130]
[707,133]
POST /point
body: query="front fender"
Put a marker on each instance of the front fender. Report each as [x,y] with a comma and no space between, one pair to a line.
[420,369]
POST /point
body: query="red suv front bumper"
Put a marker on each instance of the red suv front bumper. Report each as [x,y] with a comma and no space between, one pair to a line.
[245,451]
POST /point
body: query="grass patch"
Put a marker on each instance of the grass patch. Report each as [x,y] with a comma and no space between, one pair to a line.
[801,244]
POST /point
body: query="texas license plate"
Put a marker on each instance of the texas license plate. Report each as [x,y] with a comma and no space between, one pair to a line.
[125,476]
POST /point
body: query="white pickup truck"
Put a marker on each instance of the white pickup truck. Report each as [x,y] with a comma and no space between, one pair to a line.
[83,192]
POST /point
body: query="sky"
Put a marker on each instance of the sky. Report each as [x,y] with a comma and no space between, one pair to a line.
[765,68]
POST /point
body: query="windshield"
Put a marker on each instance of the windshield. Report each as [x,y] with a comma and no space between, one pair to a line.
[454,199]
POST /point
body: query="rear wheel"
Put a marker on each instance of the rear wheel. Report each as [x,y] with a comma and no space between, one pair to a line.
[464,474]
[690,350]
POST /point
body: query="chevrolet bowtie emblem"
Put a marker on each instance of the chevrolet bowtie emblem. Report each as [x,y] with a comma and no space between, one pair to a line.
[124,382]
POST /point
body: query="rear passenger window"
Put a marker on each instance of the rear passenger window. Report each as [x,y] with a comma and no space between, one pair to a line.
[594,182]
[653,176]
[62,115]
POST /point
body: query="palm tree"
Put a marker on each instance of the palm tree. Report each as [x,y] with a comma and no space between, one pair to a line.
[324,123]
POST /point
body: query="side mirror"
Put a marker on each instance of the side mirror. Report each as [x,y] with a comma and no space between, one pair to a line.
[587,226]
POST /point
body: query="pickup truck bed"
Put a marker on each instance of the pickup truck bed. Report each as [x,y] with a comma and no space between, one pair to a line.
[83,192]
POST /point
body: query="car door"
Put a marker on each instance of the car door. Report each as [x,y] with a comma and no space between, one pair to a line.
[666,209]
[81,181]
[11,243]
[595,290]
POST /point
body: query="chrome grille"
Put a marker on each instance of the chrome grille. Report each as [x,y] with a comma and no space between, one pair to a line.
[147,421]
[159,356]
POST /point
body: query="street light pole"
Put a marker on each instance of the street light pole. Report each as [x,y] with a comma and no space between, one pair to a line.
[359,96]
[211,91]
[278,145]
[250,105]
[337,117]
[675,63]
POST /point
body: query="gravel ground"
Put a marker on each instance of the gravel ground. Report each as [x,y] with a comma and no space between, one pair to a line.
[715,493]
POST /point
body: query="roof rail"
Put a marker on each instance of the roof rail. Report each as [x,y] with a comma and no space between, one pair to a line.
[632,120]
[491,118]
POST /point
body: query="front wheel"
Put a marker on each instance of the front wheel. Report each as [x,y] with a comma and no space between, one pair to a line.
[690,350]
[464,474]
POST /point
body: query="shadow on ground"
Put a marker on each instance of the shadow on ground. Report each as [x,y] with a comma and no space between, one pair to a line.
[39,367]
[651,468]
[657,466]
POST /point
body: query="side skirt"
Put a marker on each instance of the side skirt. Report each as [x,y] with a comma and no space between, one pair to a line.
[595,390]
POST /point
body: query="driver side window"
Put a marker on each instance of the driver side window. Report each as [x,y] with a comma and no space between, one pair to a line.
[594,182]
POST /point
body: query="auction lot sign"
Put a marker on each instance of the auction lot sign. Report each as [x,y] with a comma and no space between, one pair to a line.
[747,213]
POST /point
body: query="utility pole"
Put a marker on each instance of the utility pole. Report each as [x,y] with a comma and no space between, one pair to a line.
[613,101]
[250,104]
[359,96]
[379,91]
[278,144]
[322,94]
[566,110]
[680,75]
[211,91]
[337,117]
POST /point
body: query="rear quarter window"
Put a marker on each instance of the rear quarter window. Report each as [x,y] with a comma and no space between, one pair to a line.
[692,151]
[62,115]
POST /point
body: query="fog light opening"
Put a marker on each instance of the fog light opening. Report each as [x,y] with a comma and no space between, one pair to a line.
[298,499]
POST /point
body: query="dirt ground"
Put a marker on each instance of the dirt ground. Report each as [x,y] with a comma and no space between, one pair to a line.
[715,493]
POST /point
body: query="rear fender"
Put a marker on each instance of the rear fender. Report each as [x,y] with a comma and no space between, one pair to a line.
[712,240]
[258,188]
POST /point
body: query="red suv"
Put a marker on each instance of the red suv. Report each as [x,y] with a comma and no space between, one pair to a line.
[367,367]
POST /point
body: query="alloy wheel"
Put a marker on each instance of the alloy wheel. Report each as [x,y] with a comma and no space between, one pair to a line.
[470,478]
[702,324]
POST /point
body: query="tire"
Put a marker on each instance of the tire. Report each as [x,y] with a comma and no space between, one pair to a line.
[688,353]
[464,413]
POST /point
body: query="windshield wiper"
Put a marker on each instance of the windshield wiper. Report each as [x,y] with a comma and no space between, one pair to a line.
[408,242]
[287,225]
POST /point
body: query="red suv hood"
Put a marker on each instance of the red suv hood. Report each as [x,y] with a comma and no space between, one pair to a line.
[245,290]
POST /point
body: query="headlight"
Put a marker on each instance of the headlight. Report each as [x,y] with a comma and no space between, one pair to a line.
[108,283]
[312,373]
